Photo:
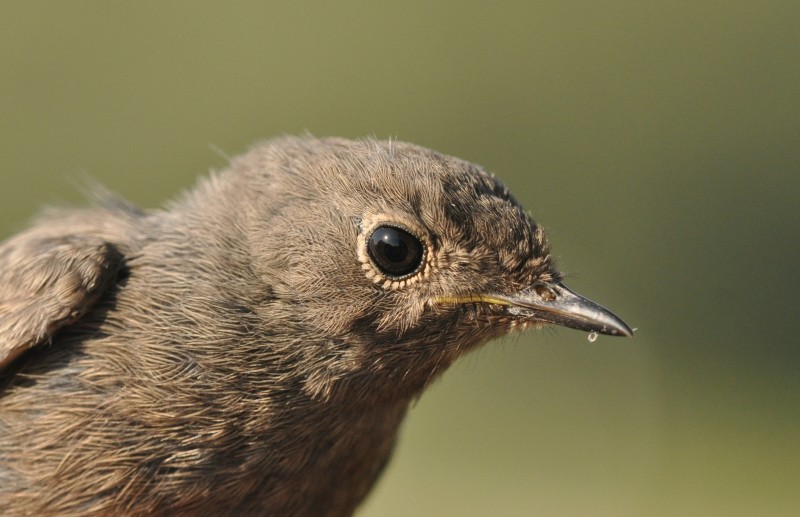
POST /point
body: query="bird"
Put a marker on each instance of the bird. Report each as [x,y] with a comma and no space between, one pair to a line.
[252,347]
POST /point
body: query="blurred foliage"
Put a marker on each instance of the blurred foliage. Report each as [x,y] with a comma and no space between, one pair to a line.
[659,143]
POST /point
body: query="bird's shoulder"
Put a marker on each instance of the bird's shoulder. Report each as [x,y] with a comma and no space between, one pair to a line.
[54,273]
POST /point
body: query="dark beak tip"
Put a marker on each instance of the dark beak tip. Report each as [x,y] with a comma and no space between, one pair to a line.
[622,330]
[616,328]
[612,325]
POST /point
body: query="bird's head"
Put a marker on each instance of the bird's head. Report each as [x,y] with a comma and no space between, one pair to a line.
[405,256]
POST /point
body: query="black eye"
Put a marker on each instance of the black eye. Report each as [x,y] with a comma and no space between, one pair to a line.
[396,252]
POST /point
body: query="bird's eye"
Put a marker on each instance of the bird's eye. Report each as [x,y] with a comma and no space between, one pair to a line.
[394,251]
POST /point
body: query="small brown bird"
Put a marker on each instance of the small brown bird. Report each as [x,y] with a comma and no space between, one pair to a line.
[252,349]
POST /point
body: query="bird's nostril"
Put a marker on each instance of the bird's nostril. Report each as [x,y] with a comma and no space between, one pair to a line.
[545,293]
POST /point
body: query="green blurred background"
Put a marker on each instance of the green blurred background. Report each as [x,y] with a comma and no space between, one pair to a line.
[658,141]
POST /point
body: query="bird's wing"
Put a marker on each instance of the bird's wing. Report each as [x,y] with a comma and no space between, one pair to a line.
[48,282]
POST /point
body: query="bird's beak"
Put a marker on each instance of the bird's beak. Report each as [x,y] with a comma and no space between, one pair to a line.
[555,303]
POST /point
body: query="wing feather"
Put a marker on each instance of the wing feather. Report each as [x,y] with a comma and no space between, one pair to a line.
[47,283]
